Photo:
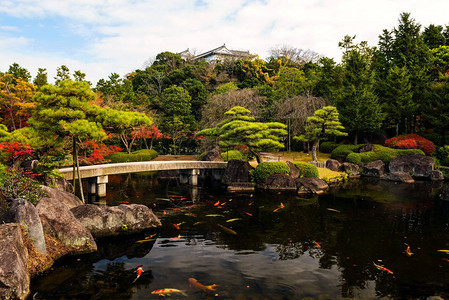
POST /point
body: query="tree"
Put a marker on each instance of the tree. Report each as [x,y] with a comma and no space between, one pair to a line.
[290,82]
[241,129]
[62,73]
[16,99]
[41,77]
[198,95]
[18,72]
[433,36]
[437,108]
[358,104]
[323,123]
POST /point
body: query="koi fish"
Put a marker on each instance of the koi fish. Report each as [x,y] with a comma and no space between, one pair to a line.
[233,220]
[251,203]
[445,259]
[226,229]
[276,209]
[223,203]
[177,225]
[168,292]
[217,203]
[214,215]
[317,245]
[125,202]
[407,251]
[282,205]
[190,215]
[444,251]
[383,268]
[145,240]
[198,223]
[139,272]
[248,214]
[331,209]
[151,236]
[175,238]
[195,283]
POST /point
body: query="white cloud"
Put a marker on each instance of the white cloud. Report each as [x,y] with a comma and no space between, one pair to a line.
[124,34]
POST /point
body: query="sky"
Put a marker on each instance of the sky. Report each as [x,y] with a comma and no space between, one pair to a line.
[100,37]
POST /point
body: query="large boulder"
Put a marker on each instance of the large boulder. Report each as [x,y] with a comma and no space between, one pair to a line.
[237,171]
[115,220]
[59,183]
[294,171]
[352,169]
[374,169]
[24,213]
[399,177]
[333,164]
[213,155]
[278,182]
[311,186]
[66,198]
[59,221]
[418,165]
[436,175]
[14,276]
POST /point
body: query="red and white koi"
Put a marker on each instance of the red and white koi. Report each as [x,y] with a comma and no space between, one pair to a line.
[382,268]
[168,292]
[139,272]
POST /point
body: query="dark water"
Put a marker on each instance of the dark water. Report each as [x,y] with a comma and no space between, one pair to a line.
[319,248]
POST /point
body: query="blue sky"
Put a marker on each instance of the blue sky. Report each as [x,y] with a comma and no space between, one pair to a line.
[100,37]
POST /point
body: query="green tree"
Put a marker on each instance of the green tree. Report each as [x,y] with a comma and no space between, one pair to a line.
[290,82]
[41,77]
[322,124]
[241,129]
[18,72]
[62,73]
[437,108]
[198,95]
[433,36]
[357,103]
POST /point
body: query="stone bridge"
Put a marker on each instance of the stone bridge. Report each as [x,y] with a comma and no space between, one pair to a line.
[98,174]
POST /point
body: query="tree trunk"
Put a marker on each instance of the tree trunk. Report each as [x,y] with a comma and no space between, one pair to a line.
[256,155]
[356,138]
[79,178]
[74,158]
[314,150]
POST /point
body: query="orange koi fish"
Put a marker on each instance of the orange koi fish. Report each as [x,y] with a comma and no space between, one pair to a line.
[276,209]
[280,206]
[383,268]
[217,203]
[408,252]
[175,238]
[248,214]
[195,283]
[177,225]
[226,229]
[139,272]
[445,259]
[151,236]
[168,292]
[125,202]
[317,245]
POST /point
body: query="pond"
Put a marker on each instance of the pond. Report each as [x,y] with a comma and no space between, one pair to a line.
[349,243]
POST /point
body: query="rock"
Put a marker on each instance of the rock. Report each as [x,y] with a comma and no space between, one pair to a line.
[333,164]
[241,187]
[59,221]
[294,171]
[66,198]
[311,186]
[445,193]
[399,176]
[115,220]
[213,155]
[436,175]
[374,169]
[352,169]
[365,148]
[278,182]
[417,165]
[24,213]
[58,183]
[14,276]
[236,171]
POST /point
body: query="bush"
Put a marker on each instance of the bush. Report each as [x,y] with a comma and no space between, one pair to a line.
[135,156]
[386,154]
[232,154]
[411,141]
[344,150]
[306,169]
[265,169]
[328,147]
[15,184]
[354,158]
[442,155]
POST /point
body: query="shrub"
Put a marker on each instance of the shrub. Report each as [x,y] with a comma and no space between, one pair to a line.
[411,141]
[93,153]
[442,155]
[15,184]
[265,169]
[13,151]
[233,154]
[344,150]
[328,147]
[306,169]
[354,158]
[139,155]
[386,154]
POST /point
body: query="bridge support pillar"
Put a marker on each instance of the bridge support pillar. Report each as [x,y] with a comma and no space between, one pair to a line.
[97,185]
[194,177]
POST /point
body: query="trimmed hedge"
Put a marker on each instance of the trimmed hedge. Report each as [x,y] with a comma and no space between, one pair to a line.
[382,153]
[306,169]
[139,155]
[232,154]
[344,150]
[267,168]
[354,158]
[328,146]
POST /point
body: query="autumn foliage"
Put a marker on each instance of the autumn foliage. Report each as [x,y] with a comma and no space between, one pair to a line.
[411,141]
[14,151]
[94,153]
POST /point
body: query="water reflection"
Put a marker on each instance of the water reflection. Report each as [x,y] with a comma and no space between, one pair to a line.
[324,247]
